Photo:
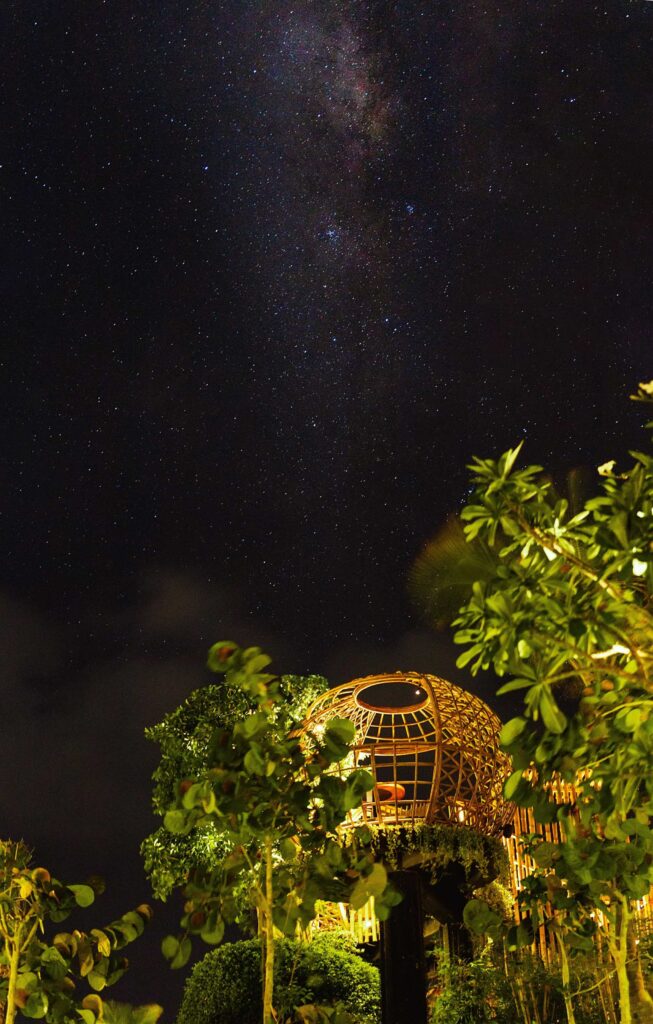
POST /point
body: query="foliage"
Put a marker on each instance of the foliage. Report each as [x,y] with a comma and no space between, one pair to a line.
[569,604]
[443,573]
[224,987]
[489,990]
[483,858]
[470,992]
[498,898]
[277,799]
[184,736]
[38,976]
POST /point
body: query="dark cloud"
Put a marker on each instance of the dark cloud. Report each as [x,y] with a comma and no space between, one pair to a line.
[75,752]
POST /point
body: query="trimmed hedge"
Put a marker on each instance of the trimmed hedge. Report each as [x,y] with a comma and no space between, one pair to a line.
[225,987]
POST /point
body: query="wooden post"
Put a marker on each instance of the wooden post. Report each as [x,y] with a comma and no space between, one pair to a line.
[403,971]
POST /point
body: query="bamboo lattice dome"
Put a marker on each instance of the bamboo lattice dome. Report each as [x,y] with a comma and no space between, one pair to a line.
[432,748]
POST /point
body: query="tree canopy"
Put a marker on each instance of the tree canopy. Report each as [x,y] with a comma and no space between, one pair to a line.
[184,736]
[565,608]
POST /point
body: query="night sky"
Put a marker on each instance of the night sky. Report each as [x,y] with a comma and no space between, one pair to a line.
[273,273]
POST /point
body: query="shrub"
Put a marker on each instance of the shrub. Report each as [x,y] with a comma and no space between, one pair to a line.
[225,987]
[471,993]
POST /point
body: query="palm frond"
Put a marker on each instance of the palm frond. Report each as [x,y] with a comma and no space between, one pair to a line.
[441,577]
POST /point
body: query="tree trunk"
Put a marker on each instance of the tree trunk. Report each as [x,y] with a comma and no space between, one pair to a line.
[268,938]
[565,975]
[403,972]
[618,945]
[10,1014]
[642,1003]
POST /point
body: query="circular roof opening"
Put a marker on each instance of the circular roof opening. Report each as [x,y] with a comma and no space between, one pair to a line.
[392,698]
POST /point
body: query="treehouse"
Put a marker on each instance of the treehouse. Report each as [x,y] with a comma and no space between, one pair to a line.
[436,810]
[432,748]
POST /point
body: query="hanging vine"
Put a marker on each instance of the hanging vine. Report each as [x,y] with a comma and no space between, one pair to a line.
[437,847]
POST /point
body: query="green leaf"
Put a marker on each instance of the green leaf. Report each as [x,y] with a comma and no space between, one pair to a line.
[55,965]
[372,885]
[183,953]
[618,523]
[377,879]
[221,655]
[358,784]
[28,981]
[83,894]
[213,930]
[467,656]
[628,719]
[507,460]
[254,761]
[94,1004]
[176,822]
[96,980]
[87,1016]
[36,1005]
[103,941]
[147,1014]
[545,854]
[511,730]
[479,918]
[192,796]
[289,850]
[511,784]
[518,936]
[514,684]
[258,663]
[342,729]
[554,719]
[253,725]
[170,947]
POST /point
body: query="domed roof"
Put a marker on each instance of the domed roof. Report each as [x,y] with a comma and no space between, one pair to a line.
[432,748]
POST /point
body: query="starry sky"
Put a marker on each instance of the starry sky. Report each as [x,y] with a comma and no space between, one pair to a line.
[273,273]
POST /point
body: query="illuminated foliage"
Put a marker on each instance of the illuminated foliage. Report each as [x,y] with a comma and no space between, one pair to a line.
[184,736]
[38,977]
[566,615]
[225,985]
[274,801]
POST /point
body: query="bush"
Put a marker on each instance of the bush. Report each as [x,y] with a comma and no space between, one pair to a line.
[225,987]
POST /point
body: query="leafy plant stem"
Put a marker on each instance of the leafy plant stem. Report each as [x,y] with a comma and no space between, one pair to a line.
[565,975]
[268,935]
[10,1014]
[618,944]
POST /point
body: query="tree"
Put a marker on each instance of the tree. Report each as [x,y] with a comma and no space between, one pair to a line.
[277,799]
[38,977]
[184,736]
[566,613]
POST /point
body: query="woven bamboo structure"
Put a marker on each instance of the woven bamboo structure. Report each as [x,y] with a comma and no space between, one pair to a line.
[432,748]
